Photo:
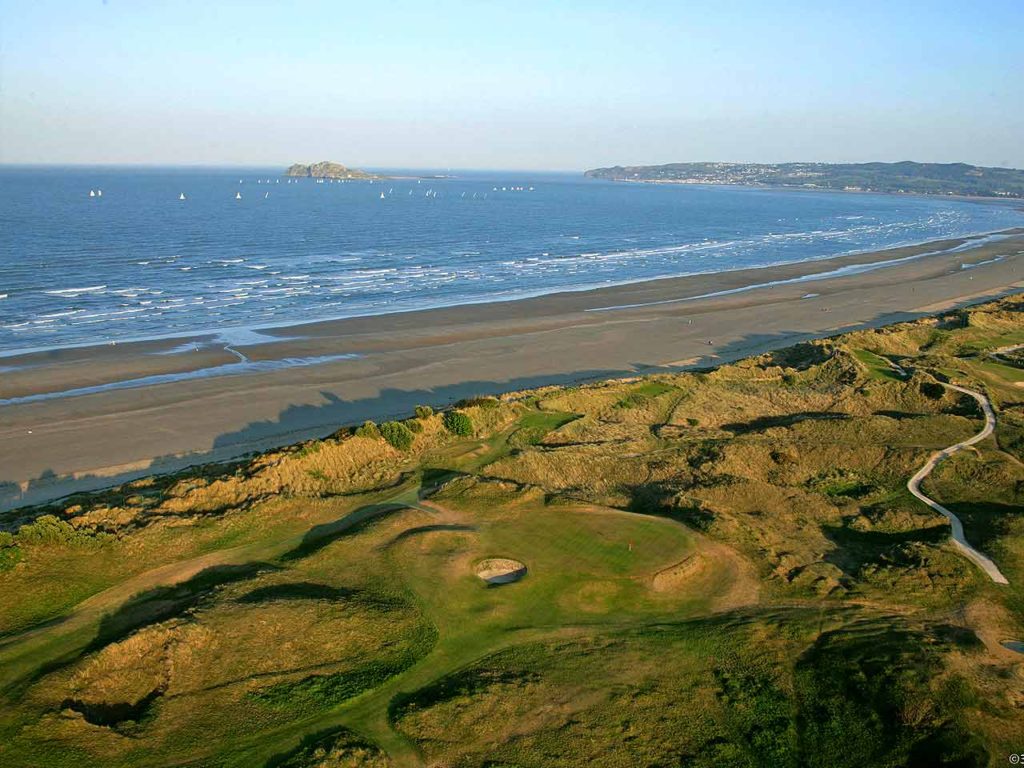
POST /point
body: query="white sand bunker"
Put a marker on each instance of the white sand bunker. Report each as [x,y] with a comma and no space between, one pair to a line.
[500,570]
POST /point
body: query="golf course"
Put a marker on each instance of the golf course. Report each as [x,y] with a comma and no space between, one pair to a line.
[744,565]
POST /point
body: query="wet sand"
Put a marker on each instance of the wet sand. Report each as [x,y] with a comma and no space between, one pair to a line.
[274,388]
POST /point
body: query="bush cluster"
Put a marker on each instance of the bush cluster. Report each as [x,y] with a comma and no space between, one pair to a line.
[396,433]
[485,403]
[423,411]
[369,429]
[458,423]
[49,529]
[46,530]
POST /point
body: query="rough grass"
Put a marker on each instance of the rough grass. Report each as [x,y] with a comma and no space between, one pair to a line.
[756,692]
[723,568]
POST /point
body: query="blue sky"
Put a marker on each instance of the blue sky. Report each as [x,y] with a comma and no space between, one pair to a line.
[514,84]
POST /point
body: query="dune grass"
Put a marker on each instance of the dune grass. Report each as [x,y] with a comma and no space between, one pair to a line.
[723,567]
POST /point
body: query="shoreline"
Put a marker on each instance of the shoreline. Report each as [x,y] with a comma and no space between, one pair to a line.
[249,335]
[983,199]
[242,330]
[381,366]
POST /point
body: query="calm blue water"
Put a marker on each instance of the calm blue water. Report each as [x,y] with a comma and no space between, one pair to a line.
[138,262]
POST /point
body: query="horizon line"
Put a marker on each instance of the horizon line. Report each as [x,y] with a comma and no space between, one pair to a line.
[435,168]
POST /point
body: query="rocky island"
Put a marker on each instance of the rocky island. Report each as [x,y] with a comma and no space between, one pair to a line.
[328,170]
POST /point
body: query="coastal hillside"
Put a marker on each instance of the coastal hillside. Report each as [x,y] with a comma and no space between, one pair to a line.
[905,177]
[709,567]
[327,170]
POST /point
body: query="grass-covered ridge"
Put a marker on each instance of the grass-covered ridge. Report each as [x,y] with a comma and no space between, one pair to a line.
[723,567]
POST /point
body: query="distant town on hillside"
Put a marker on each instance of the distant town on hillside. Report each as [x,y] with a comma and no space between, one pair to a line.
[904,177]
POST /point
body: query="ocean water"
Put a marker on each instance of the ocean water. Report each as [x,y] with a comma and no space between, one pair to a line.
[138,262]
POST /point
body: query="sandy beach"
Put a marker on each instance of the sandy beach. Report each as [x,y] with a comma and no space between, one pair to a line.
[83,418]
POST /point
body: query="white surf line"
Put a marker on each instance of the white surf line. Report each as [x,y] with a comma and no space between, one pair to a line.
[914,486]
[852,269]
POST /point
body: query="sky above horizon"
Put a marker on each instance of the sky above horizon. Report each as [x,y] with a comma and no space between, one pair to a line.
[524,85]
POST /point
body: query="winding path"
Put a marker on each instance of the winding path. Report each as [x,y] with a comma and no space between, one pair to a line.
[914,486]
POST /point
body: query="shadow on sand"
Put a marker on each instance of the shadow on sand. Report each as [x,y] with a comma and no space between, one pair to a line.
[304,422]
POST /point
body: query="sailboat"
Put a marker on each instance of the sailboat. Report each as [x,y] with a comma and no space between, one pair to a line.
[99,193]
[92,193]
[238,195]
[381,195]
[266,196]
[181,196]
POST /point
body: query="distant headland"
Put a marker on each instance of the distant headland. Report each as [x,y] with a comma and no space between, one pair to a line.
[328,170]
[905,177]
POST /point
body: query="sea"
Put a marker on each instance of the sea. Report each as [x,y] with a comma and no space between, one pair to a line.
[99,255]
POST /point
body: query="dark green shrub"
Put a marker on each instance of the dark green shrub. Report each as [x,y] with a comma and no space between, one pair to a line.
[369,429]
[458,423]
[423,411]
[397,434]
[413,425]
[48,529]
[485,403]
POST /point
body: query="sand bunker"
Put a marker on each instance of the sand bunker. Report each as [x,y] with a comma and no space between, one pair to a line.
[676,575]
[500,570]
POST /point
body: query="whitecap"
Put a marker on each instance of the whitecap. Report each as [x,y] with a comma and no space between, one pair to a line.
[76,291]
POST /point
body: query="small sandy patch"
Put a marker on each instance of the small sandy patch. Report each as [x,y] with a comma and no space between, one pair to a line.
[500,570]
